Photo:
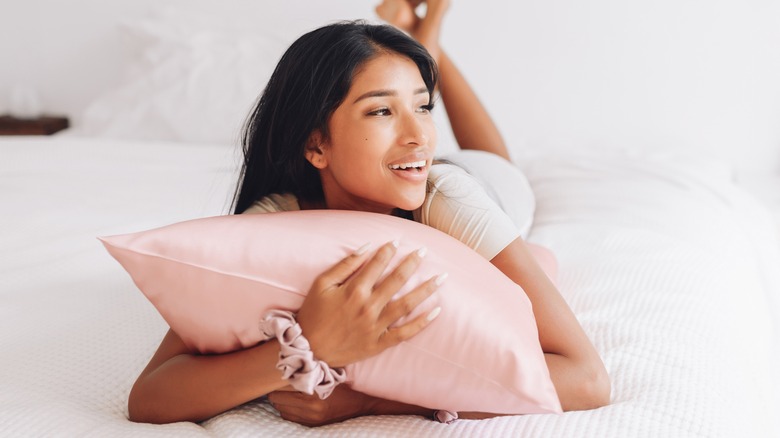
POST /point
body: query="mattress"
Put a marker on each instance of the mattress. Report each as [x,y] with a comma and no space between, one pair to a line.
[670,268]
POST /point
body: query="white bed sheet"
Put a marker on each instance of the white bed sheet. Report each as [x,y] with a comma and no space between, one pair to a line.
[672,271]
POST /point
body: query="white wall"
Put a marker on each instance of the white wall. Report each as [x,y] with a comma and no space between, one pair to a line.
[69,51]
[693,75]
[680,74]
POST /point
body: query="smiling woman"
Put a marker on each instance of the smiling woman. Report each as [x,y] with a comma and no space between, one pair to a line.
[382,140]
[345,123]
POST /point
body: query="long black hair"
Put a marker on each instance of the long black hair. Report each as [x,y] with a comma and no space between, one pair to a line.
[311,80]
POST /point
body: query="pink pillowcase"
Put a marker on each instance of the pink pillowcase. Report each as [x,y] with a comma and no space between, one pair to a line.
[213,278]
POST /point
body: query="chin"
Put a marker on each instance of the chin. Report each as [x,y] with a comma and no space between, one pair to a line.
[411,204]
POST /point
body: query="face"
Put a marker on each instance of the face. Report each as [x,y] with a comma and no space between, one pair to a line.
[382,140]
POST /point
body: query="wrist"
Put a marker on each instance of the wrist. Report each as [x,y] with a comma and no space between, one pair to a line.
[297,362]
[320,341]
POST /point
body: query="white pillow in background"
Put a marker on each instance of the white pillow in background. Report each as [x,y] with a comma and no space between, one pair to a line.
[193,82]
[201,66]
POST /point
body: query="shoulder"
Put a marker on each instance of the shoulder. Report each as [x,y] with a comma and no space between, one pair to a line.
[450,190]
[441,172]
[457,204]
[502,181]
[452,181]
[274,203]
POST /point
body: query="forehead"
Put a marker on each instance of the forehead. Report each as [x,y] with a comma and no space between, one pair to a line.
[387,71]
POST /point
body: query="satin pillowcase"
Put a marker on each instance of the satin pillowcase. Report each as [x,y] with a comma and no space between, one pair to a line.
[212,279]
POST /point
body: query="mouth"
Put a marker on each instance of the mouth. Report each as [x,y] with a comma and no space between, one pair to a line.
[412,166]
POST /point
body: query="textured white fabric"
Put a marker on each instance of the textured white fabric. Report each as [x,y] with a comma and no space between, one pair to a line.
[668,267]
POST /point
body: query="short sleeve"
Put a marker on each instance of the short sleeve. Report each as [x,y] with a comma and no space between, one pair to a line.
[503,181]
[274,203]
[458,205]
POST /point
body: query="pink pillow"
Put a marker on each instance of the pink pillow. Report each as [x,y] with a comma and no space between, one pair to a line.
[212,279]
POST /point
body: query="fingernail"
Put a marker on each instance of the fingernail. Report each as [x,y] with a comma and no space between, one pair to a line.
[395,243]
[421,252]
[440,279]
[362,250]
[434,313]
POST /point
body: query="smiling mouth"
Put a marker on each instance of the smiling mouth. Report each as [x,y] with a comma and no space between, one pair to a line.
[409,167]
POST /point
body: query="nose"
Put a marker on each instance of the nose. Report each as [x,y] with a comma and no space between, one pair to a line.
[413,131]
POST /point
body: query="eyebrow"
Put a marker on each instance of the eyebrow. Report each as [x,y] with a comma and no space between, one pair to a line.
[383,93]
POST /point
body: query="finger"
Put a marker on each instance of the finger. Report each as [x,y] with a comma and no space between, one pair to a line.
[396,335]
[368,275]
[280,398]
[292,413]
[291,398]
[342,270]
[307,412]
[393,282]
[405,305]
[297,418]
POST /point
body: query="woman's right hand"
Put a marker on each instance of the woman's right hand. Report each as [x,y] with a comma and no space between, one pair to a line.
[349,313]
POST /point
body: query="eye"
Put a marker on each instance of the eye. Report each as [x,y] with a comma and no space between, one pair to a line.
[380,112]
[425,109]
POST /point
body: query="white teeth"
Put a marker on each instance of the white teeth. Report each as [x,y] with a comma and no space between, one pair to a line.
[408,165]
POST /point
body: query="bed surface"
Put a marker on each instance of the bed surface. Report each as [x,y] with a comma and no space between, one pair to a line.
[671,269]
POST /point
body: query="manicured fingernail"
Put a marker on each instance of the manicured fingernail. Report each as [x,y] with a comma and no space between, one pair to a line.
[362,250]
[421,252]
[434,313]
[440,279]
[395,243]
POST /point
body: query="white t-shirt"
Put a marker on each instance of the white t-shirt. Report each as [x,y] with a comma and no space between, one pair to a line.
[458,203]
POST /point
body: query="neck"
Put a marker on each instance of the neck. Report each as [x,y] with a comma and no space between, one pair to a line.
[312,205]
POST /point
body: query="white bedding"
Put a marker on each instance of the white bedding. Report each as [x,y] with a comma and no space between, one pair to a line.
[672,271]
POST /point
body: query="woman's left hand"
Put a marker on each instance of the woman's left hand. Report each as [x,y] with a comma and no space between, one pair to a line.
[308,410]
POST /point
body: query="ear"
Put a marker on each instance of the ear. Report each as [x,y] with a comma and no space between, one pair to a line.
[315,152]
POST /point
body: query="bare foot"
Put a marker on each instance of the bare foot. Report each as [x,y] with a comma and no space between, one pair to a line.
[399,13]
[426,29]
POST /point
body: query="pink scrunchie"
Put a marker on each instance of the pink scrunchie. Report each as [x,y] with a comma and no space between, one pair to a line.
[296,360]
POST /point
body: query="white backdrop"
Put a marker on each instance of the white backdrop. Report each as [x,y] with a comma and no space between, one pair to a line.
[680,75]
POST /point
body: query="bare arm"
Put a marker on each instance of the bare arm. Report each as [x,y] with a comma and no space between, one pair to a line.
[347,316]
[177,385]
[343,404]
[575,367]
[473,127]
[576,370]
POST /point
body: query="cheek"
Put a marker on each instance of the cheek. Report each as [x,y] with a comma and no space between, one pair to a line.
[432,134]
[354,158]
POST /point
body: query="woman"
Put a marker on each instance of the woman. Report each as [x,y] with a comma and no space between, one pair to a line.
[345,123]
